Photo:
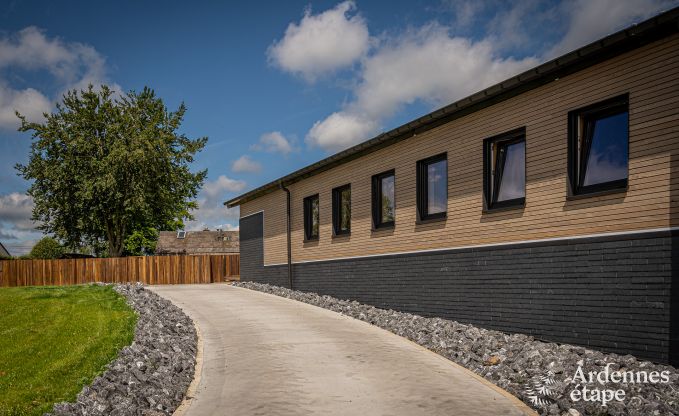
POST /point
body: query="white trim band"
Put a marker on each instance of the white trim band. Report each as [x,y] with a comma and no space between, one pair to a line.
[251,214]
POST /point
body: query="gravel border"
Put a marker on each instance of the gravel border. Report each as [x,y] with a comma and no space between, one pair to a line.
[517,363]
[151,376]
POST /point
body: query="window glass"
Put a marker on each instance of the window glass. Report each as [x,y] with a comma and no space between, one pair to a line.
[608,155]
[598,155]
[387,202]
[314,216]
[512,182]
[311,217]
[345,209]
[437,187]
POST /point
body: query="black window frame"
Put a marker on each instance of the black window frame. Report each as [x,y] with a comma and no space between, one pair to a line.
[377,200]
[308,220]
[336,204]
[423,188]
[576,154]
[491,180]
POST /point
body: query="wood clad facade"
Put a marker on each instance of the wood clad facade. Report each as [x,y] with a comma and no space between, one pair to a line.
[649,74]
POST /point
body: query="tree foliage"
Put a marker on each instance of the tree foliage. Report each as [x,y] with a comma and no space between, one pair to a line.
[47,248]
[104,167]
[141,242]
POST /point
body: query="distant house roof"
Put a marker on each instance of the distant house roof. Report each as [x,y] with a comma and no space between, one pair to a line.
[3,251]
[197,242]
[76,256]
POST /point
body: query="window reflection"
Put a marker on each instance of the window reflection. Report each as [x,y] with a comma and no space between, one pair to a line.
[598,140]
[345,209]
[437,187]
[608,155]
[387,202]
[314,217]
[311,217]
[512,180]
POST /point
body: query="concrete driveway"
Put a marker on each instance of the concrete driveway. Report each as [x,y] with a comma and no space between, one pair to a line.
[266,355]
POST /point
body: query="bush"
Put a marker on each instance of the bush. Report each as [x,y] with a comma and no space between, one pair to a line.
[47,248]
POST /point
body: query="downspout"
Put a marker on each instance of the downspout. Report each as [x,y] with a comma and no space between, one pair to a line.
[289,221]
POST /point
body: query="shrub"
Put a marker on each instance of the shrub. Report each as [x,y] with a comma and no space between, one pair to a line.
[47,248]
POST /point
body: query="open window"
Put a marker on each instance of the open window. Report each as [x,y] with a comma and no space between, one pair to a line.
[341,210]
[383,202]
[432,187]
[504,170]
[311,218]
[598,147]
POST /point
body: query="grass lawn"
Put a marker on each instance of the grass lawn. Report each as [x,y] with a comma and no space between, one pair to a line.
[55,340]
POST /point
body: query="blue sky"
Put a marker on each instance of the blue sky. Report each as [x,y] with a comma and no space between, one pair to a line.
[275,86]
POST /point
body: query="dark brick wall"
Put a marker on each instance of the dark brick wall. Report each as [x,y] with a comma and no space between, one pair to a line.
[608,293]
[674,303]
[252,254]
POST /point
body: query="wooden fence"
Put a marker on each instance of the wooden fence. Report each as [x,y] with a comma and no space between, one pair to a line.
[150,270]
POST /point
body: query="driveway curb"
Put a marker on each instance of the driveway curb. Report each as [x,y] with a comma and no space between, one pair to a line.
[198,371]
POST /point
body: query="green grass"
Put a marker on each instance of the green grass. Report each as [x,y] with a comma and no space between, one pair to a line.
[55,340]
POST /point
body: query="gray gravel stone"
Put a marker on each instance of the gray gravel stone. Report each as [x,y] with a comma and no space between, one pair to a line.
[520,360]
[151,376]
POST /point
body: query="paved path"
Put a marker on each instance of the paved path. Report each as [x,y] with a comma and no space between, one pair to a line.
[266,355]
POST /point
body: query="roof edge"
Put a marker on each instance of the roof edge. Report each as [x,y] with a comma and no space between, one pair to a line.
[633,37]
[5,249]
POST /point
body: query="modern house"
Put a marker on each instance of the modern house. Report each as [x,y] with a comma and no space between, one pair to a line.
[3,251]
[197,242]
[547,204]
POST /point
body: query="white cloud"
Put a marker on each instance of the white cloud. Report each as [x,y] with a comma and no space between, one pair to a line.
[211,212]
[29,102]
[591,20]
[71,64]
[29,48]
[430,65]
[222,185]
[273,142]
[602,167]
[15,207]
[341,130]
[17,230]
[229,227]
[246,164]
[466,12]
[322,43]
[214,216]
[7,235]
[425,65]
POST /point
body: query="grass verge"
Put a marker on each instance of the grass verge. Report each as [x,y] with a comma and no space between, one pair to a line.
[55,340]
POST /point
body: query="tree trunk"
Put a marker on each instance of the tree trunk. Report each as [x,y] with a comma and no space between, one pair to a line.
[115,249]
[115,240]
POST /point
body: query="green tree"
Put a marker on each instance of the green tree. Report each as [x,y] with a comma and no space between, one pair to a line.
[47,248]
[141,242]
[104,167]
